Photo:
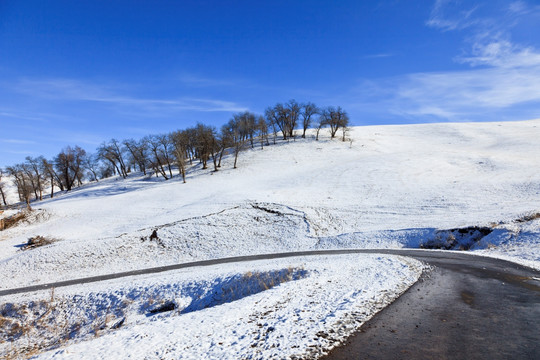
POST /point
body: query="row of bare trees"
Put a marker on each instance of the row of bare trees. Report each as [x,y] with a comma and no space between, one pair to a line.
[159,154]
[286,117]
[38,174]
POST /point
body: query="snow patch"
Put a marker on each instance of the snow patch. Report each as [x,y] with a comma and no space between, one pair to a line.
[273,308]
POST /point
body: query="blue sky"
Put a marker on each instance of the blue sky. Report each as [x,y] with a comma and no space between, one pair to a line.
[81,72]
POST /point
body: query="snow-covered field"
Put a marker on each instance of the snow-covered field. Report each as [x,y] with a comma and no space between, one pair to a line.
[391,187]
[294,307]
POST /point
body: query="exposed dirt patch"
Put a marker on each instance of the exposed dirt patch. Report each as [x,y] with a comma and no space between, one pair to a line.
[37,241]
[23,217]
[527,218]
[270,211]
[467,297]
[456,239]
[167,306]
[153,237]
[13,220]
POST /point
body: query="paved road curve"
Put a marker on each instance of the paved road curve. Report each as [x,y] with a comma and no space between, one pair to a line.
[467,307]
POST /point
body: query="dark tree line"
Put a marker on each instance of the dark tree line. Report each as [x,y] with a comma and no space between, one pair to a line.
[159,154]
[36,174]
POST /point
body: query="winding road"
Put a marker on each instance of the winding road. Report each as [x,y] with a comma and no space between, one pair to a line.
[466,307]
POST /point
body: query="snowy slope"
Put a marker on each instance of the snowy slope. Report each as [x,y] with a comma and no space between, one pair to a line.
[417,177]
[391,186]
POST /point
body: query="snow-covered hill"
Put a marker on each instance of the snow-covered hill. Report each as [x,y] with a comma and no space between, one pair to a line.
[435,176]
[391,186]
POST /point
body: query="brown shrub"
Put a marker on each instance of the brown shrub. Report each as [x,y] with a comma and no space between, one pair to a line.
[13,220]
[37,241]
[528,218]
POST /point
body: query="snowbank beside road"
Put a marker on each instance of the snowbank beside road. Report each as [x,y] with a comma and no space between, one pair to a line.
[263,309]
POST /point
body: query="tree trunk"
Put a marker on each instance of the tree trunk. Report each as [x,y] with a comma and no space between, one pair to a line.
[235,157]
[162,170]
[182,169]
[221,156]
[204,159]
[170,170]
[52,187]
[159,166]
[3,196]
[214,159]
[66,179]
[116,167]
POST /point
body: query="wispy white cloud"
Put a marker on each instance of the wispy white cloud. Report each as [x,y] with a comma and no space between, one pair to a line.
[21,152]
[201,81]
[502,74]
[519,7]
[460,18]
[75,90]
[461,93]
[502,53]
[22,115]
[377,56]
[17,141]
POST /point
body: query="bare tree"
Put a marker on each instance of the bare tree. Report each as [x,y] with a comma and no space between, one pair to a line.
[285,117]
[205,142]
[224,143]
[308,110]
[31,179]
[271,124]
[217,148]
[138,152]
[48,168]
[293,113]
[277,117]
[91,163]
[105,153]
[106,170]
[166,150]
[180,143]
[36,175]
[336,118]
[2,187]
[247,126]
[68,164]
[112,152]
[191,148]
[232,132]
[263,131]
[154,146]
[227,136]
[319,124]
[24,188]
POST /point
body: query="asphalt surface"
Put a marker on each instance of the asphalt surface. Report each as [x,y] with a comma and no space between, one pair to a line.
[466,307]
